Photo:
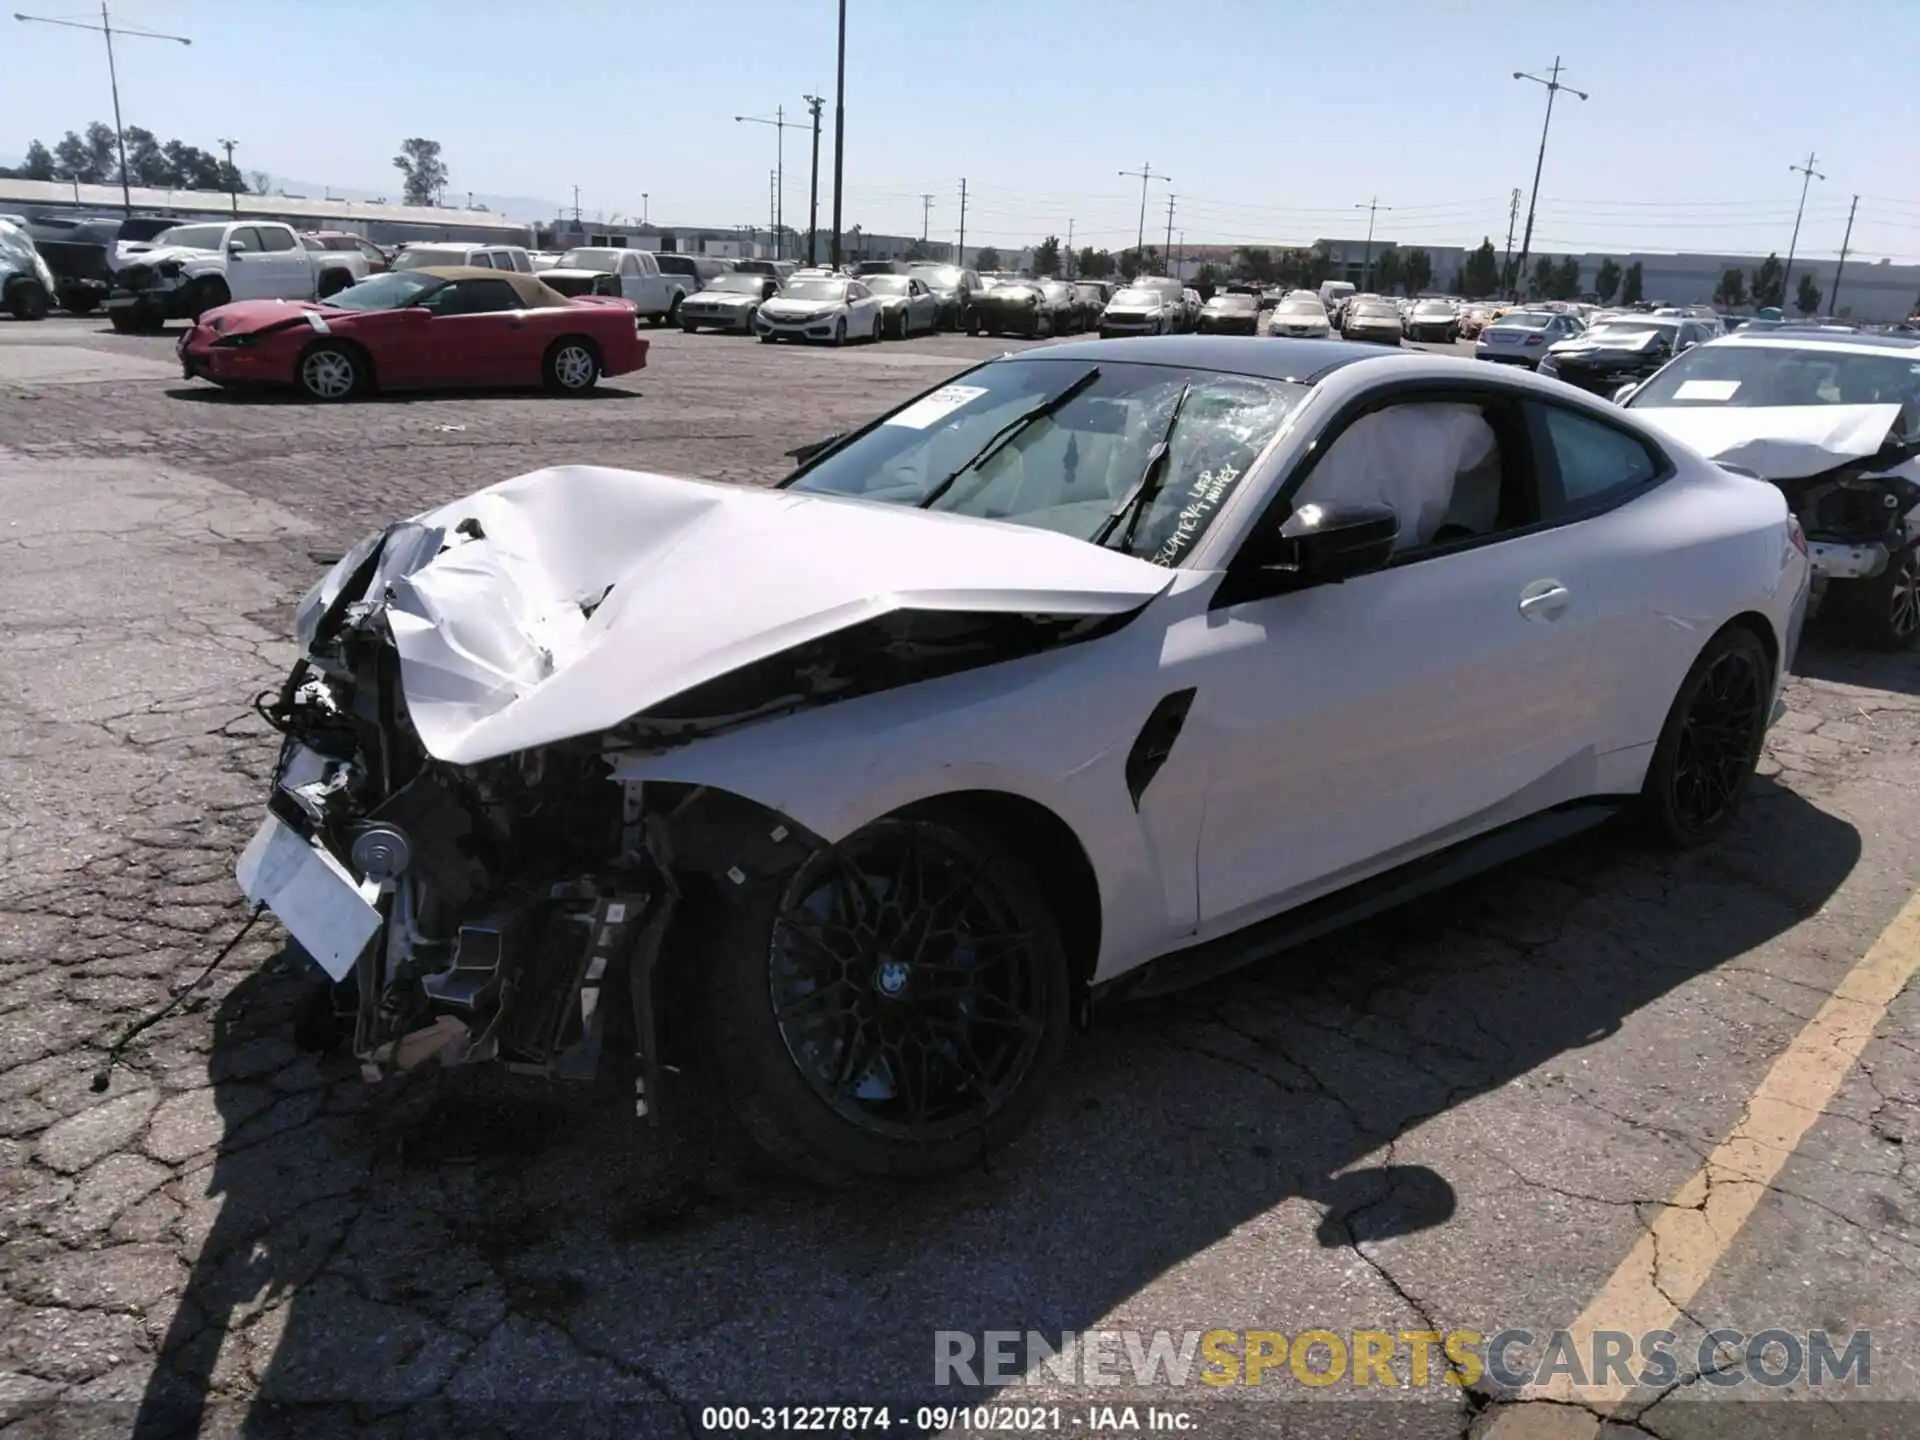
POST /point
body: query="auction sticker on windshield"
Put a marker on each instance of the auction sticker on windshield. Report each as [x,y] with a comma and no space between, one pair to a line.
[1706,389]
[937,406]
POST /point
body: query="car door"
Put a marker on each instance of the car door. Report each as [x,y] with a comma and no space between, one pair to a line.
[479,335]
[1353,726]
[862,310]
[249,272]
[290,268]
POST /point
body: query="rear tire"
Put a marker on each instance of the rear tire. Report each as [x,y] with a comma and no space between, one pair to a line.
[857,1041]
[571,366]
[331,282]
[1710,743]
[80,304]
[126,322]
[207,294]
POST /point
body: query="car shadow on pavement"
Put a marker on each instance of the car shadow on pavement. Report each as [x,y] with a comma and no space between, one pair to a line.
[461,1253]
[1842,663]
[278,395]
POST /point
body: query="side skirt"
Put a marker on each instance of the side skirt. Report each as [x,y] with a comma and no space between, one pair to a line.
[1263,939]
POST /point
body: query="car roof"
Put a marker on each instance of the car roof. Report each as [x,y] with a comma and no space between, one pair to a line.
[534,292]
[1787,337]
[1302,361]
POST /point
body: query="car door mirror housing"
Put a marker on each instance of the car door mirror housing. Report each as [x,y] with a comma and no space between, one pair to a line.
[1625,392]
[1325,544]
[234,247]
[804,453]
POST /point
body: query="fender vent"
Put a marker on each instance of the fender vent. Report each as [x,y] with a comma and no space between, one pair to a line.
[1155,742]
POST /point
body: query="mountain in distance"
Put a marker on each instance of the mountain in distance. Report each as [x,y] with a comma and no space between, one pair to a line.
[514,207]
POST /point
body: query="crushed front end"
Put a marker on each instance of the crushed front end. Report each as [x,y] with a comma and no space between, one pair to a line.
[463,912]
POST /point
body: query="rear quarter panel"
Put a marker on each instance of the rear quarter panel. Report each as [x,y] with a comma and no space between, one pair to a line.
[614,326]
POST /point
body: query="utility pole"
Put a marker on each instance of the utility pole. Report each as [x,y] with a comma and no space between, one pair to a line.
[961,258]
[233,179]
[105,28]
[643,207]
[1067,264]
[1506,265]
[1554,87]
[576,205]
[1808,175]
[839,130]
[1366,279]
[1181,262]
[814,104]
[1833,300]
[1143,175]
[780,125]
[926,213]
[773,209]
[1166,252]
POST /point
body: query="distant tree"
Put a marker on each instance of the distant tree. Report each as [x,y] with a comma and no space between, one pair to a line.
[1255,263]
[1387,270]
[1459,283]
[1770,282]
[1207,279]
[147,164]
[1480,276]
[1566,278]
[1046,256]
[1139,262]
[1417,273]
[1096,264]
[987,258]
[38,164]
[1732,289]
[1606,280]
[1316,266]
[426,173]
[1540,283]
[1634,289]
[1806,295]
[259,181]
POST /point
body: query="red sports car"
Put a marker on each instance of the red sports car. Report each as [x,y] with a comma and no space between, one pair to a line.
[435,328]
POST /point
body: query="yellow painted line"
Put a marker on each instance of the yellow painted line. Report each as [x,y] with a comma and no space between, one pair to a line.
[1689,1237]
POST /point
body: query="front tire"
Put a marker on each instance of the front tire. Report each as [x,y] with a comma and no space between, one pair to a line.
[840,332]
[27,300]
[330,372]
[1883,612]
[893,1009]
[572,366]
[207,294]
[1710,743]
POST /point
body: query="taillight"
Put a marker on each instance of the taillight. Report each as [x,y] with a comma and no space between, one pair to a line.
[1535,339]
[1797,535]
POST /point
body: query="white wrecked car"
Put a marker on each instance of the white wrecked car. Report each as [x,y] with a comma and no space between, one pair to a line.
[1102,668]
[1833,419]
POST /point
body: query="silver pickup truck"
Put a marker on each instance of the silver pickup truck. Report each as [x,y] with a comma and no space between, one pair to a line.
[191,269]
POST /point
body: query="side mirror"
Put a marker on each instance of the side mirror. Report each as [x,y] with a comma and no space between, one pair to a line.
[234,247]
[1685,345]
[806,452]
[1625,392]
[1325,544]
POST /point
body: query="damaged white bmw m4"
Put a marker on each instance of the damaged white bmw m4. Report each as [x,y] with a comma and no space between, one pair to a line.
[1098,670]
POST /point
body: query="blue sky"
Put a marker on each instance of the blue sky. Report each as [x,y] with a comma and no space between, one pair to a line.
[1275,117]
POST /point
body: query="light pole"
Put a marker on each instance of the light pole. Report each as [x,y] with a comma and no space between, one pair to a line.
[1366,276]
[1554,87]
[1808,175]
[643,207]
[839,130]
[1144,174]
[814,104]
[233,179]
[780,125]
[105,28]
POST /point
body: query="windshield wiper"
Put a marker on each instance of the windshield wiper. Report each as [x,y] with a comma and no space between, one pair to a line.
[1146,489]
[1004,436]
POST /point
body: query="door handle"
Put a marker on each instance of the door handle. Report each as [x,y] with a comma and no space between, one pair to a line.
[1545,600]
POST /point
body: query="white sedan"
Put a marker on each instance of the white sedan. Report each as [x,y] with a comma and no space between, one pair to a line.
[1098,669]
[835,310]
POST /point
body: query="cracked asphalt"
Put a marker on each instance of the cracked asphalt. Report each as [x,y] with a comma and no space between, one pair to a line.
[1466,1115]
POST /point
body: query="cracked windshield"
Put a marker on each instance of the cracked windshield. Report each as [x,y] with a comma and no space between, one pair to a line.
[835,720]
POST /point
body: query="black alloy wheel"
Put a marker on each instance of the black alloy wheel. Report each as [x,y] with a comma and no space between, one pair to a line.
[1885,610]
[900,1009]
[1711,741]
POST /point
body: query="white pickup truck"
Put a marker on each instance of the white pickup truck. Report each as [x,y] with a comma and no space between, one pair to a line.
[633,275]
[192,268]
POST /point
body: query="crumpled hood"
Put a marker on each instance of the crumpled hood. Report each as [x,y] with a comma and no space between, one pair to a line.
[1783,442]
[587,275]
[591,594]
[241,317]
[1635,344]
[182,253]
[722,297]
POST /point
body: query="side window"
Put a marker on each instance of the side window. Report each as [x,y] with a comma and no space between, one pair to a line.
[1440,466]
[311,243]
[1592,462]
[276,237]
[481,259]
[372,252]
[629,267]
[246,237]
[856,292]
[472,297]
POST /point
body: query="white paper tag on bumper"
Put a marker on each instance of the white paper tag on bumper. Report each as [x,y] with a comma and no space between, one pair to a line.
[931,408]
[310,893]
